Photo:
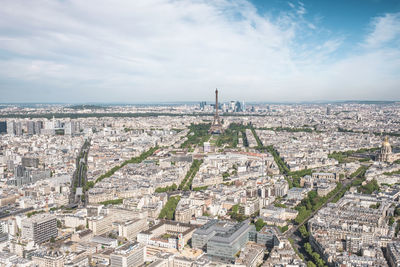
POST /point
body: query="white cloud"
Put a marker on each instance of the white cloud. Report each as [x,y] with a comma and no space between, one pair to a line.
[384,30]
[159,50]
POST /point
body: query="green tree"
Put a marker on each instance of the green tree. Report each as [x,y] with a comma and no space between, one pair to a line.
[168,211]
[308,248]
[397,211]
[259,224]
[283,228]
[369,188]
[280,205]
[303,231]
[113,201]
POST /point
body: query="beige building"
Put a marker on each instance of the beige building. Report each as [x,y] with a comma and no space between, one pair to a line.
[131,228]
[324,189]
[182,262]
[128,255]
[100,224]
[167,234]
[251,256]
[185,211]
[48,259]
[82,236]
[7,199]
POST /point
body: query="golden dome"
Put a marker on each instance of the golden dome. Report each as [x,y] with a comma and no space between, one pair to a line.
[386,142]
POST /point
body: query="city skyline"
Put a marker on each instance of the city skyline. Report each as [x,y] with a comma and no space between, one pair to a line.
[173,51]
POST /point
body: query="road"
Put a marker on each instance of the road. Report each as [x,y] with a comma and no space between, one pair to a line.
[291,233]
[80,175]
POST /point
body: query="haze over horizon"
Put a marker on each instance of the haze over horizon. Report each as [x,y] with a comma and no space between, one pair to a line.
[167,51]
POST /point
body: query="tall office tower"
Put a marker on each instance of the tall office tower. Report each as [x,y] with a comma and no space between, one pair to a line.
[48,127]
[68,128]
[216,126]
[56,123]
[224,107]
[11,127]
[328,110]
[30,126]
[18,128]
[39,228]
[75,127]
[202,105]
[38,126]
[238,107]
[232,106]
[128,255]
[48,258]
[49,124]
[71,127]
[3,127]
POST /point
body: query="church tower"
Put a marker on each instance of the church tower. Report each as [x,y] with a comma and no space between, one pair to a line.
[385,153]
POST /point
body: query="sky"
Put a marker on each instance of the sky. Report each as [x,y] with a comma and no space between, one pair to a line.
[132,51]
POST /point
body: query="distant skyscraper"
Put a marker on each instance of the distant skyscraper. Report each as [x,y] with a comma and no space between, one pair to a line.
[11,127]
[232,106]
[238,107]
[224,108]
[74,127]
[3,127]
[38,127]
[18,128]
[30,126]
[68,128]
[202,105]
[328,110]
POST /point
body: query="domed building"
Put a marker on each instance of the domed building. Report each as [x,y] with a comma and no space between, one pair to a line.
[385,153]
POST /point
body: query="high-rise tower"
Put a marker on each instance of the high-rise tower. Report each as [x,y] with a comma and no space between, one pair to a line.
[216,126]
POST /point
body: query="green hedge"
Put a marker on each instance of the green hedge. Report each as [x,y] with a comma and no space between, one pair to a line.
[112,202]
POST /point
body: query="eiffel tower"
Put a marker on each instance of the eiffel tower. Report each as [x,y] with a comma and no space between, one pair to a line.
[216,126]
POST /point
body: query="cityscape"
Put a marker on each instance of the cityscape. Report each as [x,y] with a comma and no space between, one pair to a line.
[209,184]
[200,133]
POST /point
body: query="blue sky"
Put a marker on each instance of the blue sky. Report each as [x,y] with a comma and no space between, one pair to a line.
[164,50]
[350,18]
